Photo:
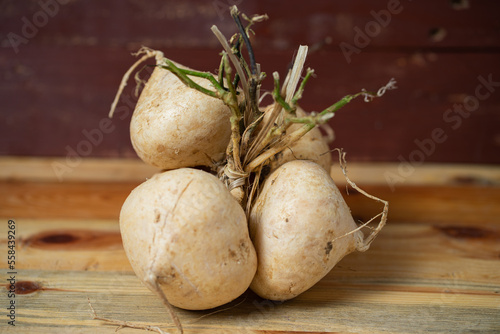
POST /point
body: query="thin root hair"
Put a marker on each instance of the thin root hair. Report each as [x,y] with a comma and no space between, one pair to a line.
[383,215]
[148,53]
[124,324]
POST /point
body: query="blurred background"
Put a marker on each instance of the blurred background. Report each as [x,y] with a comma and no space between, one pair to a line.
[61,62]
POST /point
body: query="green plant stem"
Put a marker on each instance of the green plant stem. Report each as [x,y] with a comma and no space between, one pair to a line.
[274,132]
[309,123]
[229,97]
[277,95]
[269,131]
[300,90]
[183,74]
[221,71]
[231,100]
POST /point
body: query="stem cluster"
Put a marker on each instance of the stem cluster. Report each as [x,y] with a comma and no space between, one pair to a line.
[255,139]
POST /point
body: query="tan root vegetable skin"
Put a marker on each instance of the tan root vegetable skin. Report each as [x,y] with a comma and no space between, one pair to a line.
[188,239]
[185,230]
[175,126]
[298,226]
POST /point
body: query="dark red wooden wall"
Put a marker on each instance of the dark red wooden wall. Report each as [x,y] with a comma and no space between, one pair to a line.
[61,62]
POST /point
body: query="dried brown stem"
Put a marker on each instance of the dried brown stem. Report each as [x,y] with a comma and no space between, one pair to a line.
[253,191]
[232,57]
[148,53]
[267,135]
[260,140]
[282,144]
[153,281]
[298,65]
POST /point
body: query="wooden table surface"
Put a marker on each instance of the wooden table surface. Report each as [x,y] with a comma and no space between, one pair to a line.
[434,268]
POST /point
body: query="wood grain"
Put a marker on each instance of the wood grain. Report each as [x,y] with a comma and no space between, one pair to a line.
[103,200]
[64,200]
[457,204]
[97,188]
[93,244]
[134,170]
[62,81]
[89,169]
[414,279]
[435,267]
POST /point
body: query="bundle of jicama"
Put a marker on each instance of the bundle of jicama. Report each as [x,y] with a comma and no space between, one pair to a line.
[262,207]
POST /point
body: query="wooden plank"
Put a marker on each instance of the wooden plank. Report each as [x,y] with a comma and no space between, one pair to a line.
[433,268]
[134,170]
[186,24]
[42,244]
[397,120]
[410,25]
[93,244]
[434,281]
[97,188]
[430,174]
[465,204]
[338,312]
[63,200]
[69,70]
[460,204]
[64,170]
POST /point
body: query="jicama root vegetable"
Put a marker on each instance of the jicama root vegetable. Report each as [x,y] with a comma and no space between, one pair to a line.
[184,233]
[300,227]
[174,126]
